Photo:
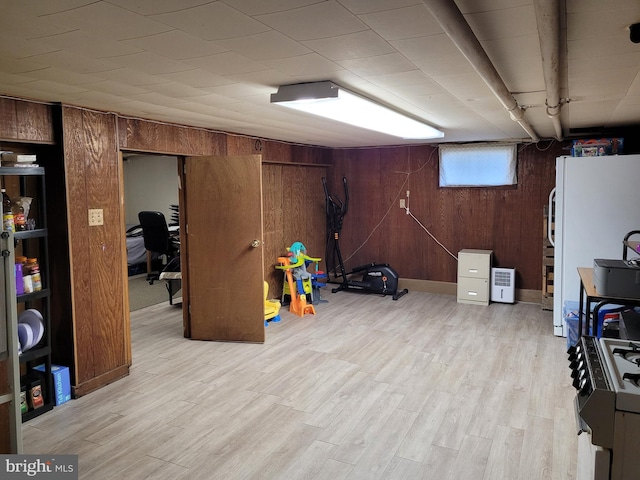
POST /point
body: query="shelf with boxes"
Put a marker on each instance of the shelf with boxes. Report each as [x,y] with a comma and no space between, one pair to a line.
[24,216]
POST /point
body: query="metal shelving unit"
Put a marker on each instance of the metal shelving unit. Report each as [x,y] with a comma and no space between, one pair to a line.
[34,242]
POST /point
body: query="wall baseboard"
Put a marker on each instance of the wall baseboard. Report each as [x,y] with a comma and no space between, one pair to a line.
[449,288]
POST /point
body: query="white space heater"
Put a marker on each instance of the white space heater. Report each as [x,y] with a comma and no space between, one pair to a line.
[503,285]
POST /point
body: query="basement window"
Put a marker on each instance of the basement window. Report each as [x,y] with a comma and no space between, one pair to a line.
[478,165]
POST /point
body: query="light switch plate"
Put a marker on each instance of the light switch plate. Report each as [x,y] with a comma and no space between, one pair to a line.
[95,217]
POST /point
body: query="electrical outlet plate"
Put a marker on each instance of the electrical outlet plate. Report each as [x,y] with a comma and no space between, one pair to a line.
[95,217]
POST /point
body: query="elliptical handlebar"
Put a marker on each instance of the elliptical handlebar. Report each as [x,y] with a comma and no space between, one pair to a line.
[336,209]
[345,206]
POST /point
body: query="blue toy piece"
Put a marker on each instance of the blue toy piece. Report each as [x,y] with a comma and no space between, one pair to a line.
[298,259]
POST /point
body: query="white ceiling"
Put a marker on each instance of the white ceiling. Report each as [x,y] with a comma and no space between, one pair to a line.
[214,64]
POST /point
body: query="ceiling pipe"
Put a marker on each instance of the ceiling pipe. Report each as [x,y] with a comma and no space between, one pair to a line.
[448,15]
[548,20]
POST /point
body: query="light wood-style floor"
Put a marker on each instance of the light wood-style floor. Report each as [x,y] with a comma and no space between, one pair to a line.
[368,388]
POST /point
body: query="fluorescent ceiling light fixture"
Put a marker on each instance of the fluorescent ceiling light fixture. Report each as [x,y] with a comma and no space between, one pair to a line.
[332,101]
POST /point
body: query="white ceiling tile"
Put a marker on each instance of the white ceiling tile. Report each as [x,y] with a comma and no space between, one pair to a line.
[322,20]
[200,106]
[465,87]
[598,5]
[56,87]
[177,90]
[206,46]
[634,90]
[378,65]
[137,107]
[412,92]
[24,65]
[310,64]
[591,113]
[99,99]
[21,21]
[403,23]
[609,22]
[227,63]
[75,62]
[150,63]
[426,47]
[116,88]
[477,6]
[213,21]
[402,79]
[506,23]
[523,46]
[270,78]
[59,75]
[106,20]
[350,46]
[151,7]
[371,6]
[453,65]
[587,49]
[13,79]
[214,100]
[197,78]
[40,8]
[129,76]
[85,43]
[265,46]
[156,98]
[521,76]
[176,45]
[11,47]
[238,90]
[625,114]
[261,7]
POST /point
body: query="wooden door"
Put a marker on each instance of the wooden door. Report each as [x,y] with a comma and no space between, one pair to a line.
[224,257]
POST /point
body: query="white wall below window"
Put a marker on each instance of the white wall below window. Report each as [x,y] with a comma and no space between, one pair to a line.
[150,183]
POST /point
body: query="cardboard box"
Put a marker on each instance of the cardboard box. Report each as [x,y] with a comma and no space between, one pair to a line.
[61,383]
[597,147]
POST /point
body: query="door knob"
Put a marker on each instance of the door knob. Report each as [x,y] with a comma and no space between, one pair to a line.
[255,243]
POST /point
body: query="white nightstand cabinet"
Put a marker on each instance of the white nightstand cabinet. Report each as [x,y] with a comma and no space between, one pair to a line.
[474,274]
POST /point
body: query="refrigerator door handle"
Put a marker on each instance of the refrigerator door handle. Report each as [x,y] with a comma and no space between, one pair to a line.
[552,214]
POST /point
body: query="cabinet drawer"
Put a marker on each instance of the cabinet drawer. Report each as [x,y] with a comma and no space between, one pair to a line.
[475,265]
[473,290]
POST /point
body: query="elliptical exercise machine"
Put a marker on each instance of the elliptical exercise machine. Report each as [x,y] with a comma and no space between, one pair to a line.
[377,278]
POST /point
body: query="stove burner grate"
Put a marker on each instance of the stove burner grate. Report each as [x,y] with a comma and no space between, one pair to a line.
[633,378]
[632,355]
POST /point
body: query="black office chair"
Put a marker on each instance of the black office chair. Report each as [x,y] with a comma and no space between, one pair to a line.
[157,239]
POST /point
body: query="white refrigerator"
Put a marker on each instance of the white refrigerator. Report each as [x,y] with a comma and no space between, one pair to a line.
[597,202]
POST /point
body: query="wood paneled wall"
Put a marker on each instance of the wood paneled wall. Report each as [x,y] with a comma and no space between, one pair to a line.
[26,121]
[293,199]
[92,170]
[293,202]
[507,220]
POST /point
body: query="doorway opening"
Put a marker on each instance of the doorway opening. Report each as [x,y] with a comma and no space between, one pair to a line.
[150,184]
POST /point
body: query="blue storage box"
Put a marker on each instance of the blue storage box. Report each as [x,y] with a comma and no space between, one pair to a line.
[61,382]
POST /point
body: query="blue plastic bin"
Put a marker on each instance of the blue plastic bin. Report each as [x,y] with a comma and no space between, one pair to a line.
[570,316]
